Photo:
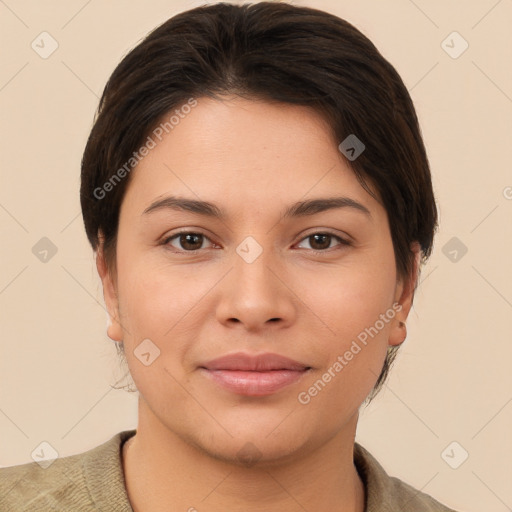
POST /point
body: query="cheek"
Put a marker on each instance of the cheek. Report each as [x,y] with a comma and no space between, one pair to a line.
[153,310]
[354,305]
[159,302]
[356,312]
[337,392]
[347,301]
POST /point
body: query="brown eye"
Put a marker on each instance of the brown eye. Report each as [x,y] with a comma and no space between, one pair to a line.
[320,242]
[187,241]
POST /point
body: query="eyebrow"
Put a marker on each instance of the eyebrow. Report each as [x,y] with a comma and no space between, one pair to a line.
[299,209]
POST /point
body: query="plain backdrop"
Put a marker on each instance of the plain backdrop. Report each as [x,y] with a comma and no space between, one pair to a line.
[452,381]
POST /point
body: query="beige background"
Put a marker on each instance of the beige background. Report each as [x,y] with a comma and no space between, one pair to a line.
[452,381]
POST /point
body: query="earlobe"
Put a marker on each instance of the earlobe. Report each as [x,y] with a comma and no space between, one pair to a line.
[398,334]
[405,296]
[114,330]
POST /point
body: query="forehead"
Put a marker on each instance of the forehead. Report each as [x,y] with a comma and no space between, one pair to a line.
[244,152]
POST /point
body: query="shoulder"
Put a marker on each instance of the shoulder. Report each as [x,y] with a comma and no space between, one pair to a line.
[33,486]
[81,482]
[388,494]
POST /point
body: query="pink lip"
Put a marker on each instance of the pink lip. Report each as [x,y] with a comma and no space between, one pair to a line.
[250,375]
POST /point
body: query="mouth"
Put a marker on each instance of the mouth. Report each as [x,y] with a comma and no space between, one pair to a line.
[254,375]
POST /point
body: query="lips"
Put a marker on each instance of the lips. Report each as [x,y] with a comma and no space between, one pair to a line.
[254,375]
[257,363]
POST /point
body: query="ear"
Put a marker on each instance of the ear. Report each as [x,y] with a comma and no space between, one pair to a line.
[404,296]
[114,329]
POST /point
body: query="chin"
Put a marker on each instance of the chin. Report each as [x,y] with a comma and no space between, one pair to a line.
[253,452]
[246,442]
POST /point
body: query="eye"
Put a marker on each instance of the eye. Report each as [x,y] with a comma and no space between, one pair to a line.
[322,241]
[189,241]
[192,241]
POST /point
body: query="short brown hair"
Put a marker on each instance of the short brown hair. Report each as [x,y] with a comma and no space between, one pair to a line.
[281,53]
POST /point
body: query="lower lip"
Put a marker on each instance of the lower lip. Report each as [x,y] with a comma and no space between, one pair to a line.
[253,383]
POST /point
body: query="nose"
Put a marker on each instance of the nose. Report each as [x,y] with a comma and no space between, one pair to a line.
[257,295]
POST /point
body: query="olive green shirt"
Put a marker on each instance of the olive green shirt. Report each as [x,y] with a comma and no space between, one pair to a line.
[94,481]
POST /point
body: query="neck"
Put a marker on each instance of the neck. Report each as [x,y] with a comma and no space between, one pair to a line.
[163,472]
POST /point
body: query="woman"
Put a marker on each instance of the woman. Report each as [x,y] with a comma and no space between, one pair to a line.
[257,193]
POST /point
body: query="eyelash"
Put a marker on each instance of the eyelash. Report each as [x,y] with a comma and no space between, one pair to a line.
[166,241]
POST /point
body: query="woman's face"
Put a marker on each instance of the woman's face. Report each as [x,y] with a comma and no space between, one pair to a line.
[252,281]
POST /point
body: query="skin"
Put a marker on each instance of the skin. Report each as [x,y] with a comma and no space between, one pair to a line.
[253,159]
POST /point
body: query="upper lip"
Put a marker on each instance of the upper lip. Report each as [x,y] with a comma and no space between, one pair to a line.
[254,362]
